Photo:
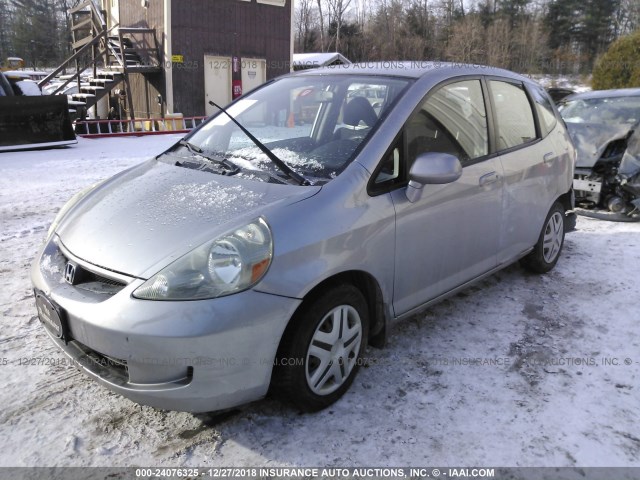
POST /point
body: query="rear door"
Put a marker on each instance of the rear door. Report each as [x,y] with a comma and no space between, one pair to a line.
[528,156]
[450,235]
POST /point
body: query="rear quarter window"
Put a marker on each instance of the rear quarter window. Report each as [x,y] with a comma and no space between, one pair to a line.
[546,112]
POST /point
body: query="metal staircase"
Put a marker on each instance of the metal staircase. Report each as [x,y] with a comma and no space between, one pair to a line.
[110,58]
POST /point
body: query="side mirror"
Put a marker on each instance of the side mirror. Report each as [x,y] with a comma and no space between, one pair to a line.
[432,169]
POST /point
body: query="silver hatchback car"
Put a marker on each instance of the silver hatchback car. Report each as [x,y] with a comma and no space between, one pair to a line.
[268,248]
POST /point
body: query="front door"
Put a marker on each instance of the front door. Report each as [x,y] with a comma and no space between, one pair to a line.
[451,234]
[217,82]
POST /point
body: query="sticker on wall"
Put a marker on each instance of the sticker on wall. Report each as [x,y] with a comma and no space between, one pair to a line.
[237,88]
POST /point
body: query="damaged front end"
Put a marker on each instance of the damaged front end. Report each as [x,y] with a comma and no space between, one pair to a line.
[607,174]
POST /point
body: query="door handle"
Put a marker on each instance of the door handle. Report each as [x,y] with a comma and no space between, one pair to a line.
[548,157]
[488,178]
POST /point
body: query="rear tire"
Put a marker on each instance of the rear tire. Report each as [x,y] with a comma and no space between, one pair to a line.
[547,250]
[321,349]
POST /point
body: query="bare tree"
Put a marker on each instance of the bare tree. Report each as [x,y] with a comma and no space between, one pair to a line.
[338,8]
[321,25]
[627,17]
[498,47]
[466,43]
[304,24]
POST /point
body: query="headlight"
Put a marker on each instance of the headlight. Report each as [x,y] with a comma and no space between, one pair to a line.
[229,264]
[66,207]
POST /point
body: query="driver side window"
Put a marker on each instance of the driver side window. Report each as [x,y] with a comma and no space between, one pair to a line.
[452,120]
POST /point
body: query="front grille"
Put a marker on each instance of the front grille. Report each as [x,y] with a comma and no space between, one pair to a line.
[59,264]
[90,277]
[96,283]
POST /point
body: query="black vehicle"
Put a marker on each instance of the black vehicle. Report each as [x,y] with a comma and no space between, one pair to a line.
[32,121]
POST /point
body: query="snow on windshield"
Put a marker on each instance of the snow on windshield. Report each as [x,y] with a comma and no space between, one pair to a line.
[252,158]
[314,124]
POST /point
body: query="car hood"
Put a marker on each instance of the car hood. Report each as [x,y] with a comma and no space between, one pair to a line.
[590,140]
[143,219]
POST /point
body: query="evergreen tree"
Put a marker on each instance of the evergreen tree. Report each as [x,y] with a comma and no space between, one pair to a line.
[619,67]
[37,32]
[515,10]
[6,27]
[584,28]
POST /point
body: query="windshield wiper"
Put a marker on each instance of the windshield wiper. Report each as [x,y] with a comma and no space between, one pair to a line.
[195,150]
[288,171]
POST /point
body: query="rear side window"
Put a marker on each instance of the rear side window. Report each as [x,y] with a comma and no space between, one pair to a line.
[514,117]
[546,113]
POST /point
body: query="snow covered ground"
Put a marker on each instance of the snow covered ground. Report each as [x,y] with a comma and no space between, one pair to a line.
[520,370]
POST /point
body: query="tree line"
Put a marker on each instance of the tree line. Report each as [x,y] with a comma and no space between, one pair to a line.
[38,31]
[529,36]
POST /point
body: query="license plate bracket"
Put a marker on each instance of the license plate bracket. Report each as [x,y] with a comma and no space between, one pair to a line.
[52,317]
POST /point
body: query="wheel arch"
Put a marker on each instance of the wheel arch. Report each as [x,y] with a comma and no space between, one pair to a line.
[370,289]
[568,202]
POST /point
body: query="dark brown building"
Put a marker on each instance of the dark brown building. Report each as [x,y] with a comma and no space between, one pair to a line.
[208,50]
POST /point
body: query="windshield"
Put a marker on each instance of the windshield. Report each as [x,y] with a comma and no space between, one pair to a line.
[612,111]
[314,124]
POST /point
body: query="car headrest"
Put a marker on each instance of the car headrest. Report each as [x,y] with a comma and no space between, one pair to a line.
[359,109]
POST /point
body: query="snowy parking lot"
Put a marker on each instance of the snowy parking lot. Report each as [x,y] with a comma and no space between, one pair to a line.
[519,370]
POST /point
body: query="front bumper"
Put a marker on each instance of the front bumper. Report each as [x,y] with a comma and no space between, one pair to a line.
[194,356]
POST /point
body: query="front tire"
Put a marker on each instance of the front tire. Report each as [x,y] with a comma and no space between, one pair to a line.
[547,250]
[321,349]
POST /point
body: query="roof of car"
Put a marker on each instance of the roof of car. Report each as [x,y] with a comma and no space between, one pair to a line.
[412,69]
[621,92]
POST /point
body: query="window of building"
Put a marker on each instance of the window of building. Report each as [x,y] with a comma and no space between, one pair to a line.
[277,3]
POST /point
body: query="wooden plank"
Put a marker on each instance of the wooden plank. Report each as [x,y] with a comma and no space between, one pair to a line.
[88,40]
[82,6]
[82,24]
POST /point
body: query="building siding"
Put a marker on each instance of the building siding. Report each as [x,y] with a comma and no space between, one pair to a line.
[244,29]
[145,88]
[225,28]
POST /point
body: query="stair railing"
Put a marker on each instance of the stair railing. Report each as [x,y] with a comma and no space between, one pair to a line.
[96,42]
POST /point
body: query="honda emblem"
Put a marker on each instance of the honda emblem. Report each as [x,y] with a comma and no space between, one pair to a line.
[70,273]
